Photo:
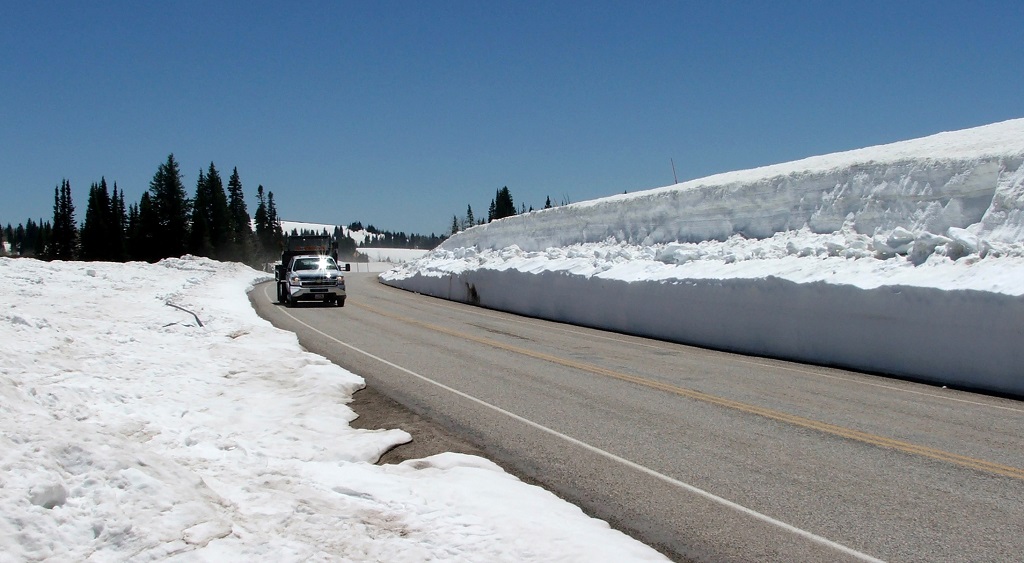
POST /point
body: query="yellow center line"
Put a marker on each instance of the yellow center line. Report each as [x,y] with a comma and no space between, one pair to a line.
[795,420]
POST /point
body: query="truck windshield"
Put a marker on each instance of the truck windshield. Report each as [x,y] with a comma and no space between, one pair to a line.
[324,263]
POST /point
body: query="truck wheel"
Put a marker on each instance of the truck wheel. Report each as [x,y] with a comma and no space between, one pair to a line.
[340,302]
[288,301]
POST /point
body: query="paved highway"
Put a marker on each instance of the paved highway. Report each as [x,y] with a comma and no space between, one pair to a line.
[704,455]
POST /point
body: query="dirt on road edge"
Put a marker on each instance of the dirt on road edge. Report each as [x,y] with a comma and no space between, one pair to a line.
[378,411]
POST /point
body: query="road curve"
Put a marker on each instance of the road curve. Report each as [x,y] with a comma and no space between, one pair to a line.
[704,455]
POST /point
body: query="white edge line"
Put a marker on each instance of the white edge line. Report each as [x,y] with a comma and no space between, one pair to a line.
[685,486]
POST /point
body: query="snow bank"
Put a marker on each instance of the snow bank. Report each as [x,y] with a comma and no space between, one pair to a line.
[904,258]
[963,180]
[130,432]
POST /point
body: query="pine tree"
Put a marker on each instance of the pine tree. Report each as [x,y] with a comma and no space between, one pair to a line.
[63,241]
[470,220]
[118,226]
[131,235]
[455,224]
[211,220]
[274,222]
[200,241]
[41,240]
[263,237]
[241,223]
[547,203]
[503,205]
[97,229]
[143,231]
[170,209]
[219,215]
[28,239]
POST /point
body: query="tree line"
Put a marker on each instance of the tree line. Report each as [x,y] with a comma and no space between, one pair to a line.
[164,223]
[501,206]
[167,223]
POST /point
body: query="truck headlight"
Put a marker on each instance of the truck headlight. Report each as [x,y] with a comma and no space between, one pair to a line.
[340,281]
[295,280]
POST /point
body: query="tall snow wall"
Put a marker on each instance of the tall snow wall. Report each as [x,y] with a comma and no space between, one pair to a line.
[965,179]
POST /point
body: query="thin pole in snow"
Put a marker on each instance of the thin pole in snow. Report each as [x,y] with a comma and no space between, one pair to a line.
[674,177]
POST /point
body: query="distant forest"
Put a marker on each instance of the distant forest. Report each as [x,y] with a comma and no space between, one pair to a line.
[167,223]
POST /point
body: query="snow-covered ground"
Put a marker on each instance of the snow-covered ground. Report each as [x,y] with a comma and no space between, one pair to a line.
[905,258]
[392,255]
[131,432]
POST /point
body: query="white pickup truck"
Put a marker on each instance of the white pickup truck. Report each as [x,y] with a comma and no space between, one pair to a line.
[311,277]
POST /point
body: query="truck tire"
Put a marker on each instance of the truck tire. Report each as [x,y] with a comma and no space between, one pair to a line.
[340,302]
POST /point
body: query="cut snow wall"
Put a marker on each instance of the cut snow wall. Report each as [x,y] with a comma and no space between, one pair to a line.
[960,338]
[920,196]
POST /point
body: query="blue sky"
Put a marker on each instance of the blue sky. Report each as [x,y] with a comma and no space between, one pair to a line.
[400,114]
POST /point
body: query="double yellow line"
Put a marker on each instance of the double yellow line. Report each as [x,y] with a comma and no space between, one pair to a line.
[864,437]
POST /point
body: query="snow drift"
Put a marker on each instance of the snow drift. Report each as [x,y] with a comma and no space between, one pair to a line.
[131,432]
[904,258]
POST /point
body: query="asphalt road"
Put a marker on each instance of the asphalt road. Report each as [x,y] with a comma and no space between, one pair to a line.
[704,455]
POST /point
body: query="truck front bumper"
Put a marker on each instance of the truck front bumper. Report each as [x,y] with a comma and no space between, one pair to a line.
[318,293]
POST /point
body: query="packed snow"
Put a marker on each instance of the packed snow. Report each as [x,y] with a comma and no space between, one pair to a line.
[905,258]
[148,413]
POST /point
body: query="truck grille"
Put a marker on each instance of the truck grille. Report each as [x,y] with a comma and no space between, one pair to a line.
[323,282]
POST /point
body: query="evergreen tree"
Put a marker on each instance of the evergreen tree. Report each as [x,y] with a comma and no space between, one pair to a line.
[470,220]
[455,224]
[211,220]
[131,235]
[219,215]
[97,230]
[29,239]
[118,226]
[264,238]
[143,231]
[41,238]
[276,235]
[170,207]
[64,239]
[241,223]
[547,203]
[502,205]
[200,242]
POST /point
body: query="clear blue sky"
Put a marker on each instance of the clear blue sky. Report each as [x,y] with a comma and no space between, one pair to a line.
[401,114]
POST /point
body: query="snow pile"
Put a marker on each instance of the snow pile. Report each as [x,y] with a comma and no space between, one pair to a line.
[905,258]
[132,432]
